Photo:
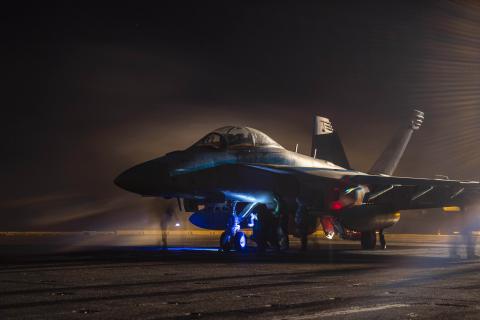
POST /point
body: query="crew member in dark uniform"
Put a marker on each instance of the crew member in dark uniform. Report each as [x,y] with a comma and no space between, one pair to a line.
[301,223]
[265,229]
[166,212]
[282,215]
[469,223]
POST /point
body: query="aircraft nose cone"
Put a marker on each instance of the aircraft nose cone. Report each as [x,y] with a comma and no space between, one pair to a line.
[149,178]
[125,180]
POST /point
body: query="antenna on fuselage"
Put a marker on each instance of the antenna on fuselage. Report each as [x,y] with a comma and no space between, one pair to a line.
[315,154]
[296,148]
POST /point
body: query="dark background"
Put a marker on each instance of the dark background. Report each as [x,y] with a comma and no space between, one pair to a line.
[89,90]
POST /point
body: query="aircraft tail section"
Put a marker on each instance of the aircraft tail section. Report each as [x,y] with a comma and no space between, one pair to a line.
[326,143]
[389,159]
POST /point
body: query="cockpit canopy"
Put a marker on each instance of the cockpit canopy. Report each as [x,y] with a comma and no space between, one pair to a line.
[236,138]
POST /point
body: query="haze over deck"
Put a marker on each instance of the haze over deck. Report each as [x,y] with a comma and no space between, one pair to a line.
[90,91]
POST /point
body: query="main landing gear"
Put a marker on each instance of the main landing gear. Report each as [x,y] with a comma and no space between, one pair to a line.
[368,240]
[383,243]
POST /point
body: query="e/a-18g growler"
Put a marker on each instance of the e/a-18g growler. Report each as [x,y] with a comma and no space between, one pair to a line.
[245,168]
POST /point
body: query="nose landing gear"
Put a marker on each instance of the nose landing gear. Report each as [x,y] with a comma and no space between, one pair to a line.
[240,241]
[237,242]
[232,237]
[225,242]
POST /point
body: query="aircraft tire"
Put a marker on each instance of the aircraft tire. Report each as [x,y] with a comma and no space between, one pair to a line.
[240,241]
[225,245]
[368,240]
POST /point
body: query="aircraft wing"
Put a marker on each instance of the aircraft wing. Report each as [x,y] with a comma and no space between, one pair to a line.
[401,193]
[416,193]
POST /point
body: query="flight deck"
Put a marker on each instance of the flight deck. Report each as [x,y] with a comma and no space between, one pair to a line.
[100,275]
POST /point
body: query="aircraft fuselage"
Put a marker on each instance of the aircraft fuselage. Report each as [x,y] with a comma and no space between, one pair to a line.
[163,176]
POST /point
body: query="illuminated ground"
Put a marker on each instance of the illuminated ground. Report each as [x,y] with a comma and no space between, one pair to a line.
[87,276]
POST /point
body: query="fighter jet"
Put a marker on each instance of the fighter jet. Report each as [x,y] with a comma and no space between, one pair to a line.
[232,172]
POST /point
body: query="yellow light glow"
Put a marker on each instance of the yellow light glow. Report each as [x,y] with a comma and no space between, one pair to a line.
[452,209]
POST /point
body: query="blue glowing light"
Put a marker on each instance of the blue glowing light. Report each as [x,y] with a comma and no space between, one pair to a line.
[160,248]
[243,241]
[191,249]
[260,197]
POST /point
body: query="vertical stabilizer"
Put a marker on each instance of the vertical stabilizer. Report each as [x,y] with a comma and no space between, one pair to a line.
[326,143]
[389,159]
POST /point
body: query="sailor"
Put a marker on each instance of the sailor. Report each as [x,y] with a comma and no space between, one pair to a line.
[166,212]
[265,229]
[282,215]
[258,233]
[301,223]
[469,223]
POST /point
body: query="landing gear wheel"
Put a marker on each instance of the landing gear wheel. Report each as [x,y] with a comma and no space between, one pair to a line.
[368,240]
[383,243]
[240,241]
[225,244]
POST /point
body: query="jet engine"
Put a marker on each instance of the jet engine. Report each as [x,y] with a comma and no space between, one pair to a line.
[368,217]
[351,212]
[349,197]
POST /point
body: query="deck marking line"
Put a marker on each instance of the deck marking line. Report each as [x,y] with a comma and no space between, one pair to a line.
[352,310]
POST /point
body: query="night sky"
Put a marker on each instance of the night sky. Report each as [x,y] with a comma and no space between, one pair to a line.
[89,91]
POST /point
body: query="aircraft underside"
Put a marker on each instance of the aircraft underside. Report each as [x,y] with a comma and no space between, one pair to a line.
[235,216]
[238,177]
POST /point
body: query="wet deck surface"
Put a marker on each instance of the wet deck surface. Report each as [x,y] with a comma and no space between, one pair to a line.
[334,280]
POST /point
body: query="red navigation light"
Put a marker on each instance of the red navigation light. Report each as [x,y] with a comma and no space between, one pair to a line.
[336,205]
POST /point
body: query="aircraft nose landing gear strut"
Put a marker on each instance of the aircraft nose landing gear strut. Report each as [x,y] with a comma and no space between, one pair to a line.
[232,237]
